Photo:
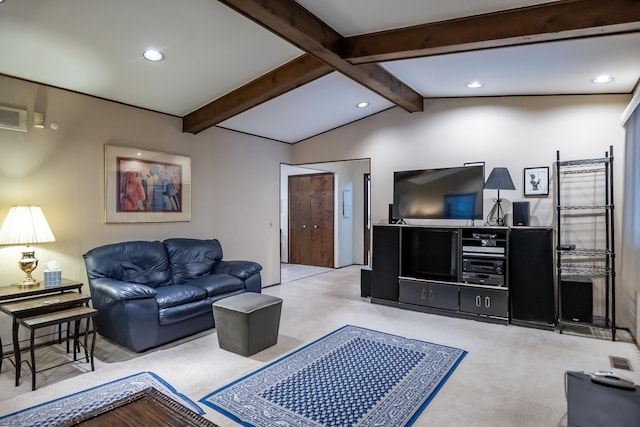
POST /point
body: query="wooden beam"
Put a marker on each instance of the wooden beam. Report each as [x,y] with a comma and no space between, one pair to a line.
[296,73]
[292,22]
[560,20]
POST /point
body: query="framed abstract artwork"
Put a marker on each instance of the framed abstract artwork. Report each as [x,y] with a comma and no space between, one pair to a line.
[536,181]
[146,186]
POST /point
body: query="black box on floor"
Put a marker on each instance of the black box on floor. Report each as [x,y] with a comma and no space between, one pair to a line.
[365,282]
[576,299]
[593,404]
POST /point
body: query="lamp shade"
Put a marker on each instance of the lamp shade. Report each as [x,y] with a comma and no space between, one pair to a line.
[25,225]
[499,179]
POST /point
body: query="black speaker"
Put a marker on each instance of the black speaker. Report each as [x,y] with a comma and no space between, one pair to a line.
[520,213]
[392,220]
[576,299]
[531,287]
[365,282]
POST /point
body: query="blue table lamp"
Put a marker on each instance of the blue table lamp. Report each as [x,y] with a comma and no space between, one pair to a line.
[499,179]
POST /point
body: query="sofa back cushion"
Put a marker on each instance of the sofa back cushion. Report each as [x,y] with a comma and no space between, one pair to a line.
[137,262]
[192,258]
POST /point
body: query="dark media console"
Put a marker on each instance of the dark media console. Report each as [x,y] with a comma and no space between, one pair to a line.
[495,274]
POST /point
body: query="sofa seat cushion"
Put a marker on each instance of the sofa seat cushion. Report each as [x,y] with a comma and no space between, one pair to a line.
[174,295]
[170,315]
[216,284]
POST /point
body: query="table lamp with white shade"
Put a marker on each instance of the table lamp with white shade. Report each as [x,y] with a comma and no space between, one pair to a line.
[25,225]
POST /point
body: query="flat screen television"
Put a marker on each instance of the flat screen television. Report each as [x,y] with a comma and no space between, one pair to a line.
[446,193]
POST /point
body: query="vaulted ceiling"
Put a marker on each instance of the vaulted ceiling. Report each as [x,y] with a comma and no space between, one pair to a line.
[288,70]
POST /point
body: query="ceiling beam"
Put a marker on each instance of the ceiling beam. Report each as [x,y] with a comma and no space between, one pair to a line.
[292,22]
[296,73]
[560,20]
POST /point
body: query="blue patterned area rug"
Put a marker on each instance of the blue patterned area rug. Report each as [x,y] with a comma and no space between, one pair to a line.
[351,377]
[61,410]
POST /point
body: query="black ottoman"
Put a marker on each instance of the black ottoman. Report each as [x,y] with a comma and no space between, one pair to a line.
[247,323]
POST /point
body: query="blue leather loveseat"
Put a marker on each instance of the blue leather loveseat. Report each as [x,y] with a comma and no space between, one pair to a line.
[151,293]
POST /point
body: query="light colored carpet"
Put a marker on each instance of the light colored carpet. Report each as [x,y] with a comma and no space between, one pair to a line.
[293,272]
[512,376]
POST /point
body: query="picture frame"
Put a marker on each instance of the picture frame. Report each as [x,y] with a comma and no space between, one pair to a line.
[536,181]
[142,185]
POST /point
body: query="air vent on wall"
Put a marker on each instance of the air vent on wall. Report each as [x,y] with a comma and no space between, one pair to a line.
[13,119]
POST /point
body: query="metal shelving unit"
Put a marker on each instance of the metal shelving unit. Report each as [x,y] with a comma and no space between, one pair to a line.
[585,245]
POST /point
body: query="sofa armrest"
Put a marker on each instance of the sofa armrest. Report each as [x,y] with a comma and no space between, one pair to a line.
[240,269]
[121,291]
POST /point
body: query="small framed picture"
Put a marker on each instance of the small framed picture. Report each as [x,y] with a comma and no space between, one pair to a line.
[536,181]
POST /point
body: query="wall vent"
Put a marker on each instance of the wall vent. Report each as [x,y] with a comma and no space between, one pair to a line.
[13,119]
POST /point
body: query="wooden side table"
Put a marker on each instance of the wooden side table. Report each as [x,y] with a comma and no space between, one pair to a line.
[24,302]
[13,292]
[58,317]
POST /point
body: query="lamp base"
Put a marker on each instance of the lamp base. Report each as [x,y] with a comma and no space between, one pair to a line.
[28,282]
[496,214]
[28,263]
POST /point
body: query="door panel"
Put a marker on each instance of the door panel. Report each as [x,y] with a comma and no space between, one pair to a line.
[429,294]
[311,210]
[321,214]
[299,230]
[490,302]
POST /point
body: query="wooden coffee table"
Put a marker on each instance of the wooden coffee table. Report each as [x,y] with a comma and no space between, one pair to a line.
[149,408]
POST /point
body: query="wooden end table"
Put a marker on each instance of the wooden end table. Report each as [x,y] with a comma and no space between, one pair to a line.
[20,302]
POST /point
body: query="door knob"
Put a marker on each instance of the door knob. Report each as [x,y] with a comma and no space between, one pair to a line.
[315,225]
[304,225]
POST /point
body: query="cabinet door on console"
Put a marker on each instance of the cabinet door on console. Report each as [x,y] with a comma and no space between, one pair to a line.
[385,265]
[429,294]
[489,302]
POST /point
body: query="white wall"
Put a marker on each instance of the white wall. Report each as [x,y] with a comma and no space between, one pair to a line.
[235,180]
[515,132]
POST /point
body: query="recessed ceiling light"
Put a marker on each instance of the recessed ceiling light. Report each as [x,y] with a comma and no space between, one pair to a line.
[605,78]
[474,85]
[362,104]
[153,55]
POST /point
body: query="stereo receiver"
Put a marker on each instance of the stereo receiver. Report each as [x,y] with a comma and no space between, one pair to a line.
[483,265]
[483,271]
[483,279]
